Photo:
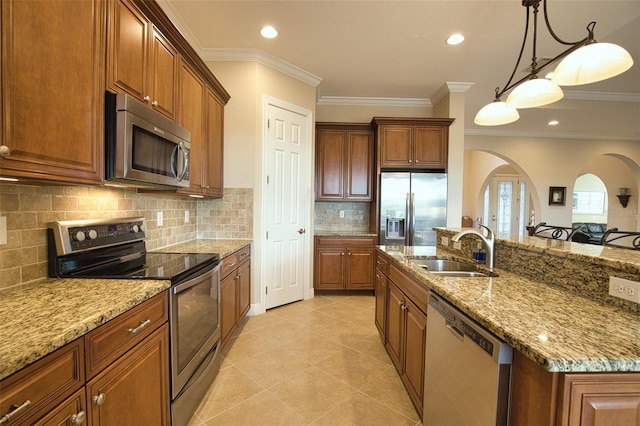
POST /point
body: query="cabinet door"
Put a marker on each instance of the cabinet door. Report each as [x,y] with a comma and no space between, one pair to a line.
[191,117]
[359,172]
[381,303]
[214,171]
[396,146]
[228,301]
[330,151]
[360,267]
[53,97]
[430,147]
[163,74]
[415,333]
[244,290]
[127,70]
[330,269]
[395,323]
[135,389]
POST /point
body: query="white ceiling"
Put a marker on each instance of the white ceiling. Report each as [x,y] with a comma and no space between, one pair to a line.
[396,49]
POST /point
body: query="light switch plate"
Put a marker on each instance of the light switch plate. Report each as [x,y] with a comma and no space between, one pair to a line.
[444,241]
[186,216]
[159,218]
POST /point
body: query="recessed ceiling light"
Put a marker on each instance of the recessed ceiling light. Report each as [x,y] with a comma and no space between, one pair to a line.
[553,123]
[454,39]
[268,32]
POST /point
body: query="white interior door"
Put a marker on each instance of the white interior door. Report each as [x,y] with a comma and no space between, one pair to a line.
[287,205]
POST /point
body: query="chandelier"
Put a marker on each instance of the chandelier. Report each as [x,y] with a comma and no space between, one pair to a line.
[583,62]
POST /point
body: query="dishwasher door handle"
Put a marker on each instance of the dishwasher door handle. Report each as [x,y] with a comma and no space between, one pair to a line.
[452,328]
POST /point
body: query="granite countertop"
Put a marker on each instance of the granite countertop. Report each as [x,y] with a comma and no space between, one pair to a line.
[559,330]
[224,247]
[40,317]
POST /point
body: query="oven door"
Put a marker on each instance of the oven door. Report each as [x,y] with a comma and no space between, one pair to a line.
[194,324]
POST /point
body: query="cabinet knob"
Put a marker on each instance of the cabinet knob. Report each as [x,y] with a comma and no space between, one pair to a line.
[146,99]
[77,419]
[99,399]
[154,104]
[408,161]
[4,151]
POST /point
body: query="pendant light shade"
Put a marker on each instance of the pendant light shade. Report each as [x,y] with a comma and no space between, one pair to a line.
[495,114]
[591,63]
[534,93]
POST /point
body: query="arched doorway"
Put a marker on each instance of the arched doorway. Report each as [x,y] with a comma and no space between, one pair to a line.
[590,200]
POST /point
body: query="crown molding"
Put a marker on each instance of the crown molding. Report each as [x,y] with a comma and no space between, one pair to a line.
[602,96]
[177,20]
[549,135]
[260,56]
[373,101]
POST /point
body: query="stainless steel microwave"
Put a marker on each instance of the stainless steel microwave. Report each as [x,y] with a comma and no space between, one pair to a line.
[142,147]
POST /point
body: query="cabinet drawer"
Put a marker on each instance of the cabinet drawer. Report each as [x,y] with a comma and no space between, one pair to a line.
[229,264]
[244,254]
[45,383]
[382,263]
[65,414]
[109,341]
[418,293]
[347,242]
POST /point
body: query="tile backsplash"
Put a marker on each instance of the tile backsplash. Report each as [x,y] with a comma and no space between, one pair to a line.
[28,209]
[327,216]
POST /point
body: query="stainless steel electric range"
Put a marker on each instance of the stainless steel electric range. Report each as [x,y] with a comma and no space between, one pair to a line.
[115,248]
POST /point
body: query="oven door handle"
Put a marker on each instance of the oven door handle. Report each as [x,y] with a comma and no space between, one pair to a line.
[195,280]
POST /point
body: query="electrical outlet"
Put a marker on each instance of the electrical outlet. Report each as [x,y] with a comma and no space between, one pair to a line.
[624,289]
[457,245]
[186,216]
[444,241]
[159,218]
[341,214]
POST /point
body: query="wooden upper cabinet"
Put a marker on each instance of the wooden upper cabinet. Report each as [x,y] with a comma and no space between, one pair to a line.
[191,111]
[52,98]
[344,162]
[141,61]
[412,143]
[213,168]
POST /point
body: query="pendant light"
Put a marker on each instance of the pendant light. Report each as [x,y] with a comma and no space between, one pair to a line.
[585,61]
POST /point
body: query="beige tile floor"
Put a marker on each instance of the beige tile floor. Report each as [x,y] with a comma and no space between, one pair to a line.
[315,362]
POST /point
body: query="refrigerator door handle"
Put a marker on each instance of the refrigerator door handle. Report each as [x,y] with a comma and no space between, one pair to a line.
[412,225]
[408,240]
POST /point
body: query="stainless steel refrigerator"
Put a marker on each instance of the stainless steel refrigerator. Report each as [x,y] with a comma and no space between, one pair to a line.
[411,204]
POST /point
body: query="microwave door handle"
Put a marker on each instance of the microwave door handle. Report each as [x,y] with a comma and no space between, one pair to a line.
[185,163]
[174,160]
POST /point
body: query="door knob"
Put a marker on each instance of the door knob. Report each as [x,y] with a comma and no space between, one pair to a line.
[301,231]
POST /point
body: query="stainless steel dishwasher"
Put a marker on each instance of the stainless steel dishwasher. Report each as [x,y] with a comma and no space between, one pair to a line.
[467,371]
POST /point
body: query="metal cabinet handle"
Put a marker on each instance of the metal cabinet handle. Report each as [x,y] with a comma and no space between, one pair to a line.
[154,104]
[77,419]
[146,99]
[99,399]
[231,265]
[4,151]
[244,254]
[15,409]
[140,326]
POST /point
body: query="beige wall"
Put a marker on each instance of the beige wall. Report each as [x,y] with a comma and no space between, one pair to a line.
[549,162]
[364,114]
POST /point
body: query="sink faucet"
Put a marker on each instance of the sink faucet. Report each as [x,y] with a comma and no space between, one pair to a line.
[488,241]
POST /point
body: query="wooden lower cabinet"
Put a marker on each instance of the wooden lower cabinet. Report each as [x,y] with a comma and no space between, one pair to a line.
[134,390]
[344,263]
[539,397]
[128,376]
[406,342]
[381,290]
[235,291]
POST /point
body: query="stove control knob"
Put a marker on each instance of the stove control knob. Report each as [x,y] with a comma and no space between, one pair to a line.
[79,236]
[93,234]
[135,229]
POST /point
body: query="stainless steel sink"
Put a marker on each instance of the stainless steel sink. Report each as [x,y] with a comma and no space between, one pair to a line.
[442,265]
[461,274]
